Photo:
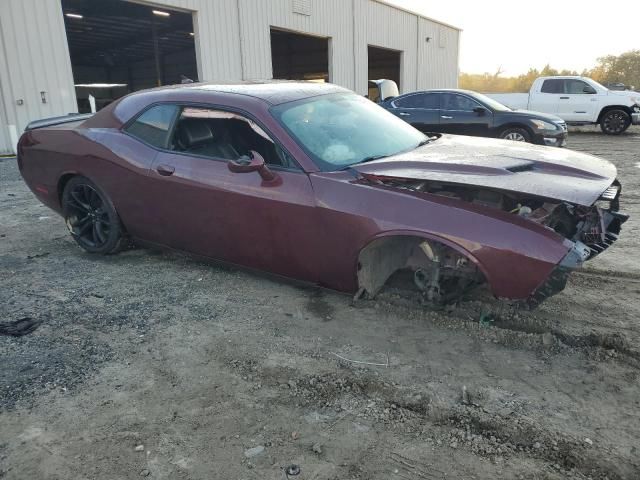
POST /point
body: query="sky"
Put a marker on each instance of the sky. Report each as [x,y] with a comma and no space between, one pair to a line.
[514,36]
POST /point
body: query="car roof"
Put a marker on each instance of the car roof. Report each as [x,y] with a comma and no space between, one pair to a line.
[250,95]
[442,90]
[273,92]
[564,77]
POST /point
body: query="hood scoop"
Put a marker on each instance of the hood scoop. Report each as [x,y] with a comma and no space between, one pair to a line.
[524,167]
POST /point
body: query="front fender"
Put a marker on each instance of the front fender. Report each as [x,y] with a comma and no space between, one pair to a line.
[516,255]
[509,275]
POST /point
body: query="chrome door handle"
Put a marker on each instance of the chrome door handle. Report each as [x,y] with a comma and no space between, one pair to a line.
[446,116]
[403,114]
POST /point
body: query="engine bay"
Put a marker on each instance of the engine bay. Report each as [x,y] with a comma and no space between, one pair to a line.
[596,226]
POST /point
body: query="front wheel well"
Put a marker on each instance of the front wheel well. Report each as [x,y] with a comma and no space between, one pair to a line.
[441,272]
[613,107]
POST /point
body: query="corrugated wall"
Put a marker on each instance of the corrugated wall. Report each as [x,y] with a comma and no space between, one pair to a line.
[383,26]
[327,18]
[5,140]
[438,57]
[34,59]
[217,36]
[232,43]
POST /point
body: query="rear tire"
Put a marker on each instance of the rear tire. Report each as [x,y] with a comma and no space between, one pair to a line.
[516,134]
[615,122]
[91,217]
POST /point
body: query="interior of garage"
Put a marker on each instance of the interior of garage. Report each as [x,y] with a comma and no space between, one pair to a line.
[384,63]
[118,47]
[296,56]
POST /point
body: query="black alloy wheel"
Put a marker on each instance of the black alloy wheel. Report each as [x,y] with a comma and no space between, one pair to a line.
[91,217]
[614,122]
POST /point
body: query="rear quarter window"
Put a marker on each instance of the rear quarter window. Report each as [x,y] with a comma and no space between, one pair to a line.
[419,100]
[153,125]
[552,85]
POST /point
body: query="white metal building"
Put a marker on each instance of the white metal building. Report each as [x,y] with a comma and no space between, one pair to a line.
[54,53]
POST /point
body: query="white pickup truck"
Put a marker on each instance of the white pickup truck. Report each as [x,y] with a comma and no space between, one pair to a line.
[578,101]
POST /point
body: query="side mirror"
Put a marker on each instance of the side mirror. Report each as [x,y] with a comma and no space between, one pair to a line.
[480,111]
[254,163]
[589,90]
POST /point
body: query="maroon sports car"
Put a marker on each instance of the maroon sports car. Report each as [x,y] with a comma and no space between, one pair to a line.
[314,182]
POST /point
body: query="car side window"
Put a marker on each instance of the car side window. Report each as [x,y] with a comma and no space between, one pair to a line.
[553,85]
[419,100]
[220,134]
[577,87]
[460,103]
[154,124]
[430,101]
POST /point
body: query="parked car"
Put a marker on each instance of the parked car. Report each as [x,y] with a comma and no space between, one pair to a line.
[618,86]
[464,112]
[578,101]
[313,182]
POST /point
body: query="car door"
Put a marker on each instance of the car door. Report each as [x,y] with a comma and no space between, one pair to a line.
[199,205]
[462,115]
[578,102]
[421,110]
[547,98]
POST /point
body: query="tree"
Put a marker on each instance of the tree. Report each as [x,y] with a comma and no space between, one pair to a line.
[623,68]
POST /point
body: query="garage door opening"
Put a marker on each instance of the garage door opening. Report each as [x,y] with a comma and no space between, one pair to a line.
[384,63]
[295,56]
[118,47]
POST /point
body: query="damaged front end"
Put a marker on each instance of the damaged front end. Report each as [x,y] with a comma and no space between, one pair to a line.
[597,226]
[589,229]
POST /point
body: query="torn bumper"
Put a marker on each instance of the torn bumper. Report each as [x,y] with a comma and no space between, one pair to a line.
[557,280]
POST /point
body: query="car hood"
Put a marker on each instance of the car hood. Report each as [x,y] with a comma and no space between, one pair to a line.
[542,116]
[552,173]
[631,96]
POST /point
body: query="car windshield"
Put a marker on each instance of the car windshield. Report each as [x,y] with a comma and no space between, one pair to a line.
[344,129]
[491,103]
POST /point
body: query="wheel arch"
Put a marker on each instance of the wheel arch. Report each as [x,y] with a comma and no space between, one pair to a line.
[64,179]
[608,108]
[62,182]
[385,241]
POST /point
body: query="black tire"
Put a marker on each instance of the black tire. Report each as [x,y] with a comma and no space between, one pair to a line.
[91,217]
[516,134]
[615,121]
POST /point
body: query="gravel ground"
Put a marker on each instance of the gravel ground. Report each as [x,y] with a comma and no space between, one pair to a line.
[151,364]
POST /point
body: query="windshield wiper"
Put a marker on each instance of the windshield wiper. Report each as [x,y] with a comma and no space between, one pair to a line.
[425,141]
[372,158]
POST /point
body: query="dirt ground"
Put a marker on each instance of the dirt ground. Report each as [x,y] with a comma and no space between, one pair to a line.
[151,364]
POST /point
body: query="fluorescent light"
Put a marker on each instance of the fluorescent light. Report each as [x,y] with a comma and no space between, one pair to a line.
[160,13]
[74,15]
[100,85]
